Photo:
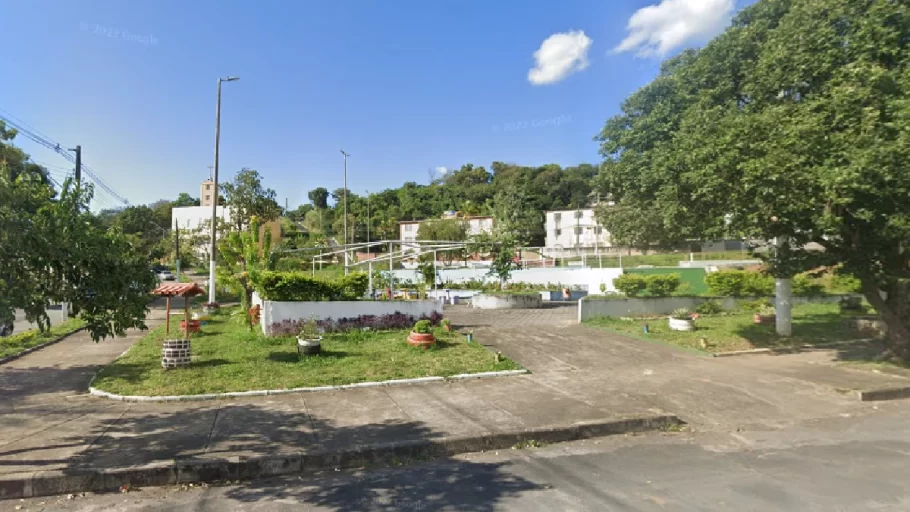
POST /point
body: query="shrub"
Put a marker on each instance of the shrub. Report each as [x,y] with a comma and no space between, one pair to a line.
[752,306]
[766,310]
[709,308]
[845,283]
[661,285]
[807,286]
[299,286]
[422,327]
[632,285]
[681,314]
[739,283]
[851,304]
[393,321]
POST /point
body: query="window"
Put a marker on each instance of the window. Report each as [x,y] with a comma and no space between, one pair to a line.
[558,232]
[579,214]
[408,227]
[557,217]
[208,186]
[579,230]
[598,230]
[208,197]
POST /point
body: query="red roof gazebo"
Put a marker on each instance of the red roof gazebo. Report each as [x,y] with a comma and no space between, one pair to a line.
[185,290]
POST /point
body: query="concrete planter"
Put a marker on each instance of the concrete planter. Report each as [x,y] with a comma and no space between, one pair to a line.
[764,319]
[309,347]
[507,301]
[195,325]
[678,324]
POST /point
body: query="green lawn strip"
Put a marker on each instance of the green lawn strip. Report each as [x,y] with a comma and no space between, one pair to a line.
[812,324]
[12,345]
[227,357]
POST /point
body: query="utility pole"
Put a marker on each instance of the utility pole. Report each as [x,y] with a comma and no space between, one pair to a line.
[78,151]
[368,224]
[214,226]
[177,248]
[345,199]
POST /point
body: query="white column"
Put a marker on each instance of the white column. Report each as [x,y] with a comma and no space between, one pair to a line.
[783,306]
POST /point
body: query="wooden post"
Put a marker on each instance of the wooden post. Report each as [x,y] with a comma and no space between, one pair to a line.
[186,316]
[167,319]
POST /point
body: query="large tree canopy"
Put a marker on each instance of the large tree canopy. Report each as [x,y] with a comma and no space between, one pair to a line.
[248,198]
[53,250]
[794,123]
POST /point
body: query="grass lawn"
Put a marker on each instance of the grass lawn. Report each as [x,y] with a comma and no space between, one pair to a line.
[227,357]
[812,324]
[16,343]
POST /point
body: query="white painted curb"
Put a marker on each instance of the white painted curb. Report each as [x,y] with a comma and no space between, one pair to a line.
[264,392]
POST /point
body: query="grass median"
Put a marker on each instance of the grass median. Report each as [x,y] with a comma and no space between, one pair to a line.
[812,324]
[228,357]
[17,343]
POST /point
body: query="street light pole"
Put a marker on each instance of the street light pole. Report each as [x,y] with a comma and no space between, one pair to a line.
[212,249]
[345,199]
[368,223]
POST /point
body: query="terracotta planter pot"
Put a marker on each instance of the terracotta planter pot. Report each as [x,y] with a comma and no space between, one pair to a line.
[195,325]
[416,339]
[764,319]
[447,327]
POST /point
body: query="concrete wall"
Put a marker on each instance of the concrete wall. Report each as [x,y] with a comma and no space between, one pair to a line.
[593,307]
[274,311]
[588,278]
[484,301]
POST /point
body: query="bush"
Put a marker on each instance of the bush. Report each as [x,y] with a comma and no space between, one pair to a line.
[661,285]
[632,285]
[299,286]
[851,304]
[422,327]
[681,314]
[739,283]
[807,286]
[845,283]
[656,285]
[709,308]
[752,306]
[391,322]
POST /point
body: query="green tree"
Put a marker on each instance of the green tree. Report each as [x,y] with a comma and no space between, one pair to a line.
[319,197]
[241,256]
[185,199]
[247,199]
[515,218]
[449,230]
[791,125]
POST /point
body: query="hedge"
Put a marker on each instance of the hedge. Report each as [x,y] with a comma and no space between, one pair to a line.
[742,283]
[300,286]
[657,285]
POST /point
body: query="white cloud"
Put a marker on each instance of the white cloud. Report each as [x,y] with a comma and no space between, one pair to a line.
[559,56]
[657,29]
[441,170]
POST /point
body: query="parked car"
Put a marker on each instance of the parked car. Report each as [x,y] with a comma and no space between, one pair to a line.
[166,275]
[6,330]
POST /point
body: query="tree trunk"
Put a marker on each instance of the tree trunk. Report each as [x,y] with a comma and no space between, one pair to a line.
[894,310]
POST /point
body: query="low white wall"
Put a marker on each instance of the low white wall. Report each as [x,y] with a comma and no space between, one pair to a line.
[484,301]
[273,311]
[593,307]
[589,279]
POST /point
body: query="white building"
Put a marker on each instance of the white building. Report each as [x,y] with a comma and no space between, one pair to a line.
[473,226]
[198,217]
[574,231]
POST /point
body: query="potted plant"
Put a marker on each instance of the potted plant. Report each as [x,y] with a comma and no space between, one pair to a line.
[422,335]
[309,339]
[765,315]
[447,324]
[681,320]
[210,307]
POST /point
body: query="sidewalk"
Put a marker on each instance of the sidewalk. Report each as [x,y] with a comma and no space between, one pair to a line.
[50,427]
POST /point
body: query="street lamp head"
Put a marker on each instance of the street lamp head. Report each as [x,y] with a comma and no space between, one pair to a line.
[230,79]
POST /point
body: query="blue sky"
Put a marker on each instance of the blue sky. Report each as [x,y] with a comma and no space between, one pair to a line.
[406,87]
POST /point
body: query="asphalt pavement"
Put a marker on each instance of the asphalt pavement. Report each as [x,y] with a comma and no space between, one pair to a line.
[851,463]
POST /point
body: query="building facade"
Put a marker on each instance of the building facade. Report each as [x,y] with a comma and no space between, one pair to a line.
[207,193]
[473,227]
[574,231]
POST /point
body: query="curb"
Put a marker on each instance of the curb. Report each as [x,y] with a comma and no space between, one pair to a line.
[788,350]
[47,483]
[876,395]
[267,392]
[39,347]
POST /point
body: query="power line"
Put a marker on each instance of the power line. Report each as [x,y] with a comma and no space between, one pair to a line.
[45,141]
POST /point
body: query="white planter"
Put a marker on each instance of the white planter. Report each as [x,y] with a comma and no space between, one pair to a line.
[307,347]
[681,325]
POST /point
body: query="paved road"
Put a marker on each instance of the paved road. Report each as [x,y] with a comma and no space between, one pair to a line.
[21,324]
[843,464]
